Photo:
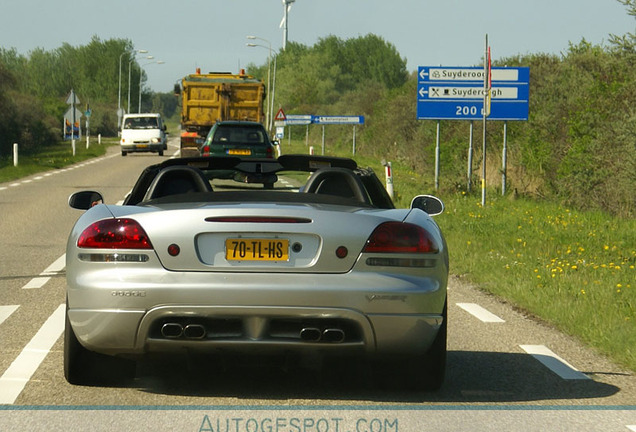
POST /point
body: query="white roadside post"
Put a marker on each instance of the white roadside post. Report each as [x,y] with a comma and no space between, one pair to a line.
[389,178]
[88,126]
[15,154]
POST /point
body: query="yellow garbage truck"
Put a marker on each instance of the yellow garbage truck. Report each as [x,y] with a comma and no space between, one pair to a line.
[216,96]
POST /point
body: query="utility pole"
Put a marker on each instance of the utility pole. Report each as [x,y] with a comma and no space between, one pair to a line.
[287,4]
[486,112]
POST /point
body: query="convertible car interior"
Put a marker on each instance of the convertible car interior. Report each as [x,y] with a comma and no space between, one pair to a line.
[321,180]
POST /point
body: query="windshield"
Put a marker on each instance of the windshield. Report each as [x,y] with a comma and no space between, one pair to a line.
[141,123]
[241,134]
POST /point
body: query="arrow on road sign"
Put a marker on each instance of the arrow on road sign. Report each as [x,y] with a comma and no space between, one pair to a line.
[72,98]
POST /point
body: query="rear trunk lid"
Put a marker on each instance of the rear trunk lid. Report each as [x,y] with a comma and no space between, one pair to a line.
[260,237]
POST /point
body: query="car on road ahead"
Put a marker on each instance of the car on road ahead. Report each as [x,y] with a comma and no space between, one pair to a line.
[322,264]
[238,138]
[144,132]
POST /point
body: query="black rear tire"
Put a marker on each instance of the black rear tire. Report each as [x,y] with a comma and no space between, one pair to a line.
[84,367]
[427,371]
[424,372]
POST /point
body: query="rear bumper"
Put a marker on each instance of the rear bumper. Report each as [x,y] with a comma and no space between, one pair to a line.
[267,330]
[365,313]
[129,148]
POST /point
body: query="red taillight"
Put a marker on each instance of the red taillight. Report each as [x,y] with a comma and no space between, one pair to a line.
[205,150]
[269,152]
[398,237]
[114,234]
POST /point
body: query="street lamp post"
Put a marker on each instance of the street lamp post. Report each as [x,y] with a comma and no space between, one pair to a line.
[119,111]
[285,23]
[130,75]
[140,75]
[270,99]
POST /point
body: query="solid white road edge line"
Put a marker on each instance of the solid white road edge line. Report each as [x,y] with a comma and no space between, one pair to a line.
[480,313]
[553,362]
[14,379]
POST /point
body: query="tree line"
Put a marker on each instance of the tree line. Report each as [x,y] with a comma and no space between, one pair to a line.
[34,89]
[578,145]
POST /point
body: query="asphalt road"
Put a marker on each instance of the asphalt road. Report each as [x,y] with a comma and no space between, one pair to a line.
[506,371]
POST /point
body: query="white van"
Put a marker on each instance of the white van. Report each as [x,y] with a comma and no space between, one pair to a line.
[143,133]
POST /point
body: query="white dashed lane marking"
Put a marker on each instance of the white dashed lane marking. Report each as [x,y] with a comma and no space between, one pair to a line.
[45,276]
[553,362]
[540,352]
[6,311]
[480,313]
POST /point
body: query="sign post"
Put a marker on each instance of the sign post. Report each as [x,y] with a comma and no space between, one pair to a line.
[338,120]
[473,93]
[485,112]
[72,116]
[283,120]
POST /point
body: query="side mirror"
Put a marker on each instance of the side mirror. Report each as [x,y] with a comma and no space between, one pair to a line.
[429,204]
[85,199]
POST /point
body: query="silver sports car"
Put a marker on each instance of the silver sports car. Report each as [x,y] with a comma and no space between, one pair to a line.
[300,255]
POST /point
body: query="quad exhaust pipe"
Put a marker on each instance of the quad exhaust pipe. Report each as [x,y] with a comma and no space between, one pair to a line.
[176,330]
[194,331]
[331,335]
[198,331]
[172,330]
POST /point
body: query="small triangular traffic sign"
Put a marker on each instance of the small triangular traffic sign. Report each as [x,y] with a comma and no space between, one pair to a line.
[280,116]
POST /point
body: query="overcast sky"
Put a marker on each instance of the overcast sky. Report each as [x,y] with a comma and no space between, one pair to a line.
[211,34]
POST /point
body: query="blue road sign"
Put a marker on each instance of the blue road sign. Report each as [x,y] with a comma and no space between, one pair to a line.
[324,120]
[457,93]
[298,119]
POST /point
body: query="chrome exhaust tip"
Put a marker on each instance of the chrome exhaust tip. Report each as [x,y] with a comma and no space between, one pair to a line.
[310,334]
[333,335]
[194,331]
[172,330]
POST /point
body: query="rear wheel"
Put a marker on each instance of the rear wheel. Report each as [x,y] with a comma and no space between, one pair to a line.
[160,152]
[426,372]
[123,153]
[83,367]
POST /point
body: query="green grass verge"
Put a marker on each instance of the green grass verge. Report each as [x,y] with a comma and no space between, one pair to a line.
[55,156]
[572,269]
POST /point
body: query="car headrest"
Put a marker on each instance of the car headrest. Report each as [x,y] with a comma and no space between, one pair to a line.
[176,180]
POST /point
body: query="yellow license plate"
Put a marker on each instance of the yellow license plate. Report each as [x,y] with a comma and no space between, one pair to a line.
[243,152]
[241,249]
[142,145]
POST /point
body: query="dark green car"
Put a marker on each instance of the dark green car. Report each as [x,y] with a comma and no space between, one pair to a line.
[238,138]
